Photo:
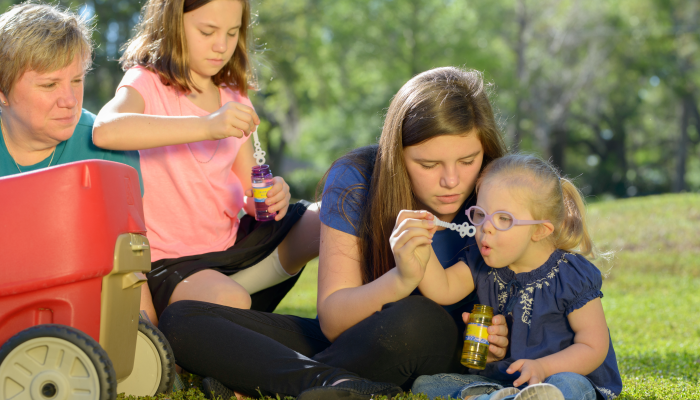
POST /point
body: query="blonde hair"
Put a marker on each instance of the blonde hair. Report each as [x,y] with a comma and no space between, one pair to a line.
[164,50]
[41,38]
[550,196]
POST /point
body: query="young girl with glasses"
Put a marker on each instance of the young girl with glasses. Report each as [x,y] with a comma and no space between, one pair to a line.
[528,264]
[183,103]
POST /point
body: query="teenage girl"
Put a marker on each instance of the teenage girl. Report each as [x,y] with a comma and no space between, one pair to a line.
[528,265]
[183,104]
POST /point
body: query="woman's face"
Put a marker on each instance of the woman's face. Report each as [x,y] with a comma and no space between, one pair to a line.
[46,107]
[212,35]
[443,171]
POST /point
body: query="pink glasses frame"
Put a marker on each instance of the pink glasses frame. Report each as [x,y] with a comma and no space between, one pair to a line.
[489,217]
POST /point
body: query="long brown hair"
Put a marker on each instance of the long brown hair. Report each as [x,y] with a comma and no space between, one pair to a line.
[160,46]
[550,196]
[441,101]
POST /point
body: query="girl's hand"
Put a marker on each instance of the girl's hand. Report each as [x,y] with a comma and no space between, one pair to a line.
[277,198]
[410,242]
[498,337]
[531,372]
[232,119]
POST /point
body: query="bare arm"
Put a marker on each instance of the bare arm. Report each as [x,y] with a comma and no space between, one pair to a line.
[343,300]
[446,286]
[121,124]
[591,343]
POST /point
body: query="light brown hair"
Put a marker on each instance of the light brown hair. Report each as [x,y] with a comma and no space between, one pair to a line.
[441,101]
[41,38]
[160,46]
[549,195]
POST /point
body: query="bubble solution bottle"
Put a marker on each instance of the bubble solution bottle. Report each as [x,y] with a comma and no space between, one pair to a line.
[262,183]
[476,345]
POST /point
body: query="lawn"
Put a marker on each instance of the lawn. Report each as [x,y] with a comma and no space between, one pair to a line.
[651,287]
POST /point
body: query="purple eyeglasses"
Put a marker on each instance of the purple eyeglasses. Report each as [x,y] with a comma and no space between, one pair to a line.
[501,220]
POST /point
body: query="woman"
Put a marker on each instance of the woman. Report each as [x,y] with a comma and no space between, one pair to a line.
[45,55]
[439,133]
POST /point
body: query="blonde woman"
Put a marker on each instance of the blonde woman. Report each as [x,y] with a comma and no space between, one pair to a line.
[45,53]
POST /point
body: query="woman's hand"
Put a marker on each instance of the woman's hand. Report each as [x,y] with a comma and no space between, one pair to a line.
[498,337]
[410,242]
[277,197]
[232,119]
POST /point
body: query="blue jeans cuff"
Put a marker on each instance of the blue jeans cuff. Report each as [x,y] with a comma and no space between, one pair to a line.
[456,386]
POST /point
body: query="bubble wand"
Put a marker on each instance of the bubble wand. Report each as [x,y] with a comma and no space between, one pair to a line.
[262,182]
[464,230]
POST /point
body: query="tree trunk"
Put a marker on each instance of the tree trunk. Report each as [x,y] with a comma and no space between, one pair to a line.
[558,146]
[683,142]
[520,75]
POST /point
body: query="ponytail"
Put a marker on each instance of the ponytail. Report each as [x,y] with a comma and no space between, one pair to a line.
[573,231]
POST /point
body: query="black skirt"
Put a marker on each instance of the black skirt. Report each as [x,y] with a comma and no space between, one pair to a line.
[254,242]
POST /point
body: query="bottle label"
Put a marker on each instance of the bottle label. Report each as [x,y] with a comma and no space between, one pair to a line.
[260,193]
[477,333]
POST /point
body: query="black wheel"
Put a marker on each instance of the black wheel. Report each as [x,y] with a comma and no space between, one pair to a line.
[154,364]
[55,362]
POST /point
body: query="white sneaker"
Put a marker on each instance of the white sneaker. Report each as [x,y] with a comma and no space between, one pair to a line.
[503,393]
[540,391]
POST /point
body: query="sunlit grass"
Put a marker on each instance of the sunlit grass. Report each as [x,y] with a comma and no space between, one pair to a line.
[652,294]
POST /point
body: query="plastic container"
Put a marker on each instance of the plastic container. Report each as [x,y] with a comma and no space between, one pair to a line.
[476,344]
[262,183]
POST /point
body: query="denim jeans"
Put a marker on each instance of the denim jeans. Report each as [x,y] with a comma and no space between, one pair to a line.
[573,386]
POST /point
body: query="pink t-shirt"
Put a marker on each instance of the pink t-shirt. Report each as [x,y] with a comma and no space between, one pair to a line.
[191,205]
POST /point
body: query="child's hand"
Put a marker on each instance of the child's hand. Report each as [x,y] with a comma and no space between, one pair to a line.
[410,242]
[277,197]
[232,119]
[498,337]
[531,372]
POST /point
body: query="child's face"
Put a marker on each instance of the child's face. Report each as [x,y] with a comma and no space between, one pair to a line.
[212,35]
[443,172]
[504,248]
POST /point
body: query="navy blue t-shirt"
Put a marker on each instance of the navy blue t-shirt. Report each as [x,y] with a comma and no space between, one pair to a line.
[538,303]
[344,198]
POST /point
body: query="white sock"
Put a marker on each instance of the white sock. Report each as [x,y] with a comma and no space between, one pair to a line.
[265,274]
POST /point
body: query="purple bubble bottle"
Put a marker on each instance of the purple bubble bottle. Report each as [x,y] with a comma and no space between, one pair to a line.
[262,183]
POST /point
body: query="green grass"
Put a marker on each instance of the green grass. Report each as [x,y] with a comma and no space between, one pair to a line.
[651,287]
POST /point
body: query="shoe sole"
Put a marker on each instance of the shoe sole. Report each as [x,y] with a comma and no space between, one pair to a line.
[503,393]
[213,389]
[540,391]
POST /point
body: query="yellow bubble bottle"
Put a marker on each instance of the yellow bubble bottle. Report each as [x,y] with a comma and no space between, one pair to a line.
[476,344]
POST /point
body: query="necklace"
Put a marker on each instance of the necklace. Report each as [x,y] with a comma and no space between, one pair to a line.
[2,127]
[218,142]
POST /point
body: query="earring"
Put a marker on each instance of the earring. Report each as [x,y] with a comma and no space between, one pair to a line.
[4,103]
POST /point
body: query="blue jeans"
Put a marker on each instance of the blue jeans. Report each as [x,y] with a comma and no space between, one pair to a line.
[573,386]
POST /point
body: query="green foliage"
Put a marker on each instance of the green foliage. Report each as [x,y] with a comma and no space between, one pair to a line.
[604,88]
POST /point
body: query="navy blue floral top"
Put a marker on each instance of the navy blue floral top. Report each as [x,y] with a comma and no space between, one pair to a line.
[536,305]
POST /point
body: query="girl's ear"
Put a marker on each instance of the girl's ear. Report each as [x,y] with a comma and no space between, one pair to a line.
[3,98]
[543,230]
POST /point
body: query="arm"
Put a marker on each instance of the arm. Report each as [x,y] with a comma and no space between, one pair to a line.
[121,124]
[343,300]
[591,343]
[446,286]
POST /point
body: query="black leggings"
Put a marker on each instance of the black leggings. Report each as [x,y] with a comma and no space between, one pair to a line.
[251,351]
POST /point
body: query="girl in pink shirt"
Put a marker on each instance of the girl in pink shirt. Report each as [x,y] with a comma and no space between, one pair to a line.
[183,104]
